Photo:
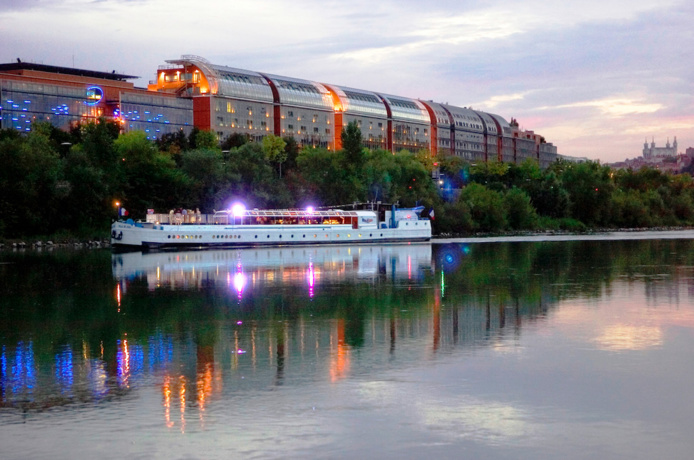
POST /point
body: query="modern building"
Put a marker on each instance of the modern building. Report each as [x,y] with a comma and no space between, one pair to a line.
[191,91]
[66,97]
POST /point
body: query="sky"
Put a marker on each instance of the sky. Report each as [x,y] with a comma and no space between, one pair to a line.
[595,77]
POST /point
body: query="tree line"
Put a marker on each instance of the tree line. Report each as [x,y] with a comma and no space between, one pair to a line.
[54,182]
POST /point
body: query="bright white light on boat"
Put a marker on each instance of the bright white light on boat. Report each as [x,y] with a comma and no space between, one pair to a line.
[238,210]
[309,209]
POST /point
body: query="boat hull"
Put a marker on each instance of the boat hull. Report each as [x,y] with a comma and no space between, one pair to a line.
[136,236]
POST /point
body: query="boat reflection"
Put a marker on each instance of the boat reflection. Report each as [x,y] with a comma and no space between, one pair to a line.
[237,269]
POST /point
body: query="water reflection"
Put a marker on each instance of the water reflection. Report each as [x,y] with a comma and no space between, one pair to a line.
[272,266]
[208,327]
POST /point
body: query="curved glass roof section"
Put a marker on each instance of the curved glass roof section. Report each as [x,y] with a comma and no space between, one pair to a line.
[443,120]
[359,102]
[243,84]
[230,82]
[465,119]
[302,93]
[505,127]
[488,122]
[406,109]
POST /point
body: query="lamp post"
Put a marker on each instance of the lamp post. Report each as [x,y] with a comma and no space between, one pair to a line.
[65,148]
[225,159]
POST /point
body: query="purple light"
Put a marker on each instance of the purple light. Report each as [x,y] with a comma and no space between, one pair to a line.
[238,210]
[311,278]
[239,322]
[310,209]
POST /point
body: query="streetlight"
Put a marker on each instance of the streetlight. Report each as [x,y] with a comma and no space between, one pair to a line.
[66,148]
[225,158]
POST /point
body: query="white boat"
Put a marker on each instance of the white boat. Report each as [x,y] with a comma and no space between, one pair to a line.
[238,227]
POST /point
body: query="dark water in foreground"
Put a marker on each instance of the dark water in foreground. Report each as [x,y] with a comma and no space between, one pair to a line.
[535,350]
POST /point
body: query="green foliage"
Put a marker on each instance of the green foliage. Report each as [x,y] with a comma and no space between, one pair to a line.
[205,170]
[590,187]
[326,180]
[519,211]
[486,208]
[151,179]
[353,146]
[56,181]
[234,140]
[274,150]
[30,186]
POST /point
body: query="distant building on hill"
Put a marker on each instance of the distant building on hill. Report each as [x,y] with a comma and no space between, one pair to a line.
[651,151]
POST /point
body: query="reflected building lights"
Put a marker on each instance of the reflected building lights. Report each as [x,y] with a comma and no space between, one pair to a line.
[63,371]
[182,397]
[123,363]
[118,295]
[340,357]
[166,392]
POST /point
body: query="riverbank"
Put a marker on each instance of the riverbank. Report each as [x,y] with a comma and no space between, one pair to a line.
[527,233]
[537,235]
[50,244]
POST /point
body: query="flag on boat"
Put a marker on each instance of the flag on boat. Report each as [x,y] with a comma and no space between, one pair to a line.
[431,213]
[150,211]
[123,212]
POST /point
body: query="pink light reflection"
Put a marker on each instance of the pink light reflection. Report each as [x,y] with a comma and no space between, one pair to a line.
[311,277]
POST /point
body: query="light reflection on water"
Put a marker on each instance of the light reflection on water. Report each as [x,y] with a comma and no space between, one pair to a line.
[514,350]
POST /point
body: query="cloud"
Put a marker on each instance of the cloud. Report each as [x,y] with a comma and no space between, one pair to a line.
[614,107]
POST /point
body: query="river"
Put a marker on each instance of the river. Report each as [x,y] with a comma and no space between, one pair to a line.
[529,349]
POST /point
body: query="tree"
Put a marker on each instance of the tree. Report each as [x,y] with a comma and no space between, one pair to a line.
[174,143]
[205,169]
[519,211]
[352,146]
[234,140]
[590,189]
[486,207]
[292,149]
[203,139]
[31,188]
[274,149]
[151,179]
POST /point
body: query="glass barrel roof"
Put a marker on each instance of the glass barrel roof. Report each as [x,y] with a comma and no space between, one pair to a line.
[488,122]
[356,101]
[466,118]
[406,109]
[302,93]
[243,84]
[229,81]
[443,120]
[505,127]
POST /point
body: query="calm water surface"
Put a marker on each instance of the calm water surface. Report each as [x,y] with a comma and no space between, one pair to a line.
[529,349]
